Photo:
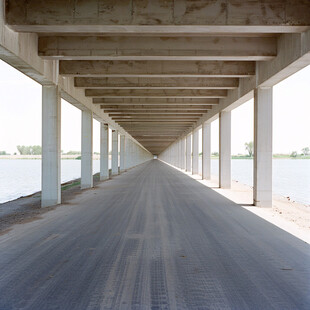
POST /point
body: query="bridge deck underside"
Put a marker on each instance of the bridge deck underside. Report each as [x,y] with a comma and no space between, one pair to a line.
[152,238]
[158,68]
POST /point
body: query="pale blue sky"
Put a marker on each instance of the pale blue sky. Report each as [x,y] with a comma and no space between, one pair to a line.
[20,116]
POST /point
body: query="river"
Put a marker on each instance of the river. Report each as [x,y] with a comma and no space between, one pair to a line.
[291,177]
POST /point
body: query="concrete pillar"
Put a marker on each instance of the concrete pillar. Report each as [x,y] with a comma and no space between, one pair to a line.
[127,153]
[87,150]
[104,151]
[182,153]
[225,150]
[114,152]
[122,153]
[206,151]
[263,147]
[188,153]
[51,116]
[195,151]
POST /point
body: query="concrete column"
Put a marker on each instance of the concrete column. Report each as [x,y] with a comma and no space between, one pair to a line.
[263,147]
[195,151]
[206,151]
[188,153]
[87,150]
[225,150]
[127,153]
[51,116]
[122,153]
[182,153]
[114,152]
[104,151]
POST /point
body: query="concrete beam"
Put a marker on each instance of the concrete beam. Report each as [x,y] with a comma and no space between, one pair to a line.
[150,112]
[87,150]
[225,150]
[114,152]
[127,16]
[156,93]
[51,174]
[155,101]
[104,151]
[157,48]
[158,69]
[184,108]
[156,83]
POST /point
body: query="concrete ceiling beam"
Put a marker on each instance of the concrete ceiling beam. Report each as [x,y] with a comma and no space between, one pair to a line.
[160,69]
[157,48]
[117,108]
[155,101]
[156,93]
[127,16]
[163,111]
[156,83]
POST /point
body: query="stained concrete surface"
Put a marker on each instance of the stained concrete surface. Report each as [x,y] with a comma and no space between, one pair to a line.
[152,238]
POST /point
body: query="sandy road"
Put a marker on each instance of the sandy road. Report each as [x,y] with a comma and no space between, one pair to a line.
[152,238]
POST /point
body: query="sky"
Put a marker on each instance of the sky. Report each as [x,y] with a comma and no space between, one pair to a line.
[20,116]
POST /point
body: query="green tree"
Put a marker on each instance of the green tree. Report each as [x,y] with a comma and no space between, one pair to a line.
[249,146]
[29,150]
[306,150]
[293,154]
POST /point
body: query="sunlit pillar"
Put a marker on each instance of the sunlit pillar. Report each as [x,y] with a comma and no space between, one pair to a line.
[195,151]
[263,147]
[122,153]
[189,152]
[114,152]
[104,151]
[87,149]
[225,150]
[51,115]
[183,153]
[206,151]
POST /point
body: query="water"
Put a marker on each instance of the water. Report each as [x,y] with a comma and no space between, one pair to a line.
[21,177]
[291,177]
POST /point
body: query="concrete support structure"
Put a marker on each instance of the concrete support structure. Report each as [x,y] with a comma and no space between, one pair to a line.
[189,153]
[206,151]
[87,149]
[104,151]
[151,90]
[225,150]
[182,153]
[263,147]
[127,154]
[114,152]
[51,116]
[195,151]
[122,153]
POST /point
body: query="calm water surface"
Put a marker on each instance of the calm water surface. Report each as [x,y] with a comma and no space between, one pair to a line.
[291,177]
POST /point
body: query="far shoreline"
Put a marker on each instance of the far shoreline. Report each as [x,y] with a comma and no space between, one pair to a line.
[97,156]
